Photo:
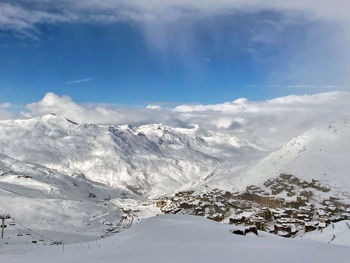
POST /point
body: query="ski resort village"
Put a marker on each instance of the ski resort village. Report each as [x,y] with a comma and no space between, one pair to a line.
[66,204]
[174,131]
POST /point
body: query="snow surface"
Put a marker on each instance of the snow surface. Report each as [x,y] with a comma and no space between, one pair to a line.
[156,159]
[150,159]
[49,165]
[337,233]
[320,153]
[175,238]
[116,156]
[53,204]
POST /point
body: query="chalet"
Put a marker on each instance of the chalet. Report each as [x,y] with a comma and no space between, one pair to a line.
[322,225]
[237,220]
[311,226]
[161,203]
[216,217]
[285,230]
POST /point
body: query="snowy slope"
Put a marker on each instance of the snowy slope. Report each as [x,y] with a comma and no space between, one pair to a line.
[149,159]
[156,159]
[175,238]
[49,167]
[337,233]
[321,153]
[53,204]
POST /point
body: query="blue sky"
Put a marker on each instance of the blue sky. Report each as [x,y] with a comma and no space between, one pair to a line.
[210,59]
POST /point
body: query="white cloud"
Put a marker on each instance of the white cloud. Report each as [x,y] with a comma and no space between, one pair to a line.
[5,105]
[330,87]
[239,104]
[223,123]
[78,81]
[23,20]
[26,14]
[272,121]
[5,114]
[99,113]
[153,107]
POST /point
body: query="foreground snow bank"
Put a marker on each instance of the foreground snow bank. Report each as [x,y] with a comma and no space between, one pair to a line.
[337,233]
[179,238]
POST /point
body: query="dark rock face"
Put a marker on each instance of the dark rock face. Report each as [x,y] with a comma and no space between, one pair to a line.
[92,195]
[238,232]
[251,229]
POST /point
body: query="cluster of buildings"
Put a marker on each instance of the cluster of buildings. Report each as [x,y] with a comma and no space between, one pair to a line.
[284,205]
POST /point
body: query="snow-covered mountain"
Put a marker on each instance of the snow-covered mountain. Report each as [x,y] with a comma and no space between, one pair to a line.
[55,205]
[156,159]
[149,159]
[321,153]
[146,159]
[57,174]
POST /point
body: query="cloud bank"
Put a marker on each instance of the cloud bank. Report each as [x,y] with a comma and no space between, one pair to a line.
[5,114]
[269,122]
[99,113]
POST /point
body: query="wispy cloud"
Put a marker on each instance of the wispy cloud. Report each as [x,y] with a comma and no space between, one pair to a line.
[23,21]
[78,81]
[5,105]
[26,15]
[263,86]
[318,87]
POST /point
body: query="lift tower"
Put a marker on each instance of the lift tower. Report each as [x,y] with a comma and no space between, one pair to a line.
[3,217]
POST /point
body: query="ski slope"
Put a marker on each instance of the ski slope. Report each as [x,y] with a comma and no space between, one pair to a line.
[337,233]
[43,201]
[321,153]
[179,238]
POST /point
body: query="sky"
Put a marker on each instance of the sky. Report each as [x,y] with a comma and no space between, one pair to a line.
[262,71]
[135,53]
